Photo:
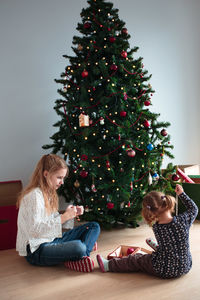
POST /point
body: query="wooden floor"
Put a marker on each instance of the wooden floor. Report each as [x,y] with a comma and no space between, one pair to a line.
[21,281]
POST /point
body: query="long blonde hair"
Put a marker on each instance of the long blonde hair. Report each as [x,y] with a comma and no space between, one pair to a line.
[154,204]
[51,163]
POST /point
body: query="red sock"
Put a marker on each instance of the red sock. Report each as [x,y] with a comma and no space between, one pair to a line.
[85,264]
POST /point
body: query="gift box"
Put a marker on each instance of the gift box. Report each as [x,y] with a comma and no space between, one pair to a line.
[193,191]
[9,191]
[192,171]
[123,251]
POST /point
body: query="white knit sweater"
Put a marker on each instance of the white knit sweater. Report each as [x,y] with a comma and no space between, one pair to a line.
[35,226]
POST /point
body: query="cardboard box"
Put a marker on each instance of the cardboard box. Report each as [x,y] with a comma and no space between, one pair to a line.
[121,251]
[190,169]
[9,191]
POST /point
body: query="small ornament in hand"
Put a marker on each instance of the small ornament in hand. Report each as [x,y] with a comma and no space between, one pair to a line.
[79,211]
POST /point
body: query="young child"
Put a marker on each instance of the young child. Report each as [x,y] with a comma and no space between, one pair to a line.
[39,236]
[172,257]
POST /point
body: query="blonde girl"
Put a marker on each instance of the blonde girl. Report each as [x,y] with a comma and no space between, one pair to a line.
[39,238]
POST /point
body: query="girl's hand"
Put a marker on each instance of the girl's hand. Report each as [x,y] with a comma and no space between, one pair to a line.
[179,189]
[80,210]
[69,214]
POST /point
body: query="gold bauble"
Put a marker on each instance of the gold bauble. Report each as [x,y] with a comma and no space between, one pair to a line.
[76,184]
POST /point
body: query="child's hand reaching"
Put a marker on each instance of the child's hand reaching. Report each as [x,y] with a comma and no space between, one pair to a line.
[80,210]
[179,189]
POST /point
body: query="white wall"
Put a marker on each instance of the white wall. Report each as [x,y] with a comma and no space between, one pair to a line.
[35,34]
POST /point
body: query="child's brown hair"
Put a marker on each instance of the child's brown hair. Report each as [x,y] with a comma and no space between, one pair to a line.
[154,204]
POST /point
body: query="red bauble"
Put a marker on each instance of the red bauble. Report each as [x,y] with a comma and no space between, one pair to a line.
[164,132]
[124,31]
[84,74]
[83,174]
[123,113]
[109,29]
[130,152]
[175,177]
[112,39]
[146,123]
[107,164]
[124,54]
[130,251]
[87,25]
[114,67]
[84,157]
[110,205]
[147,102]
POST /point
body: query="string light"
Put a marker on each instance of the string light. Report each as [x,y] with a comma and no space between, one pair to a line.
[86,137]
[74,150]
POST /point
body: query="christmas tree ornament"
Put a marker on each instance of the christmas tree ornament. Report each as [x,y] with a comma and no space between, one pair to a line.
[124,54]
[150,180]
[84,157]
[125,96]
[110,205]
[112,39]
[175,177]
[146,123]
[155,176]
[76,184]
[147,102]
[130,152]
[64,89]
[80,47]
[129,204]
[114,67]
[87,208]
[124,31]
[83,120]
[150,147]
[121,170]
[164,132]
[102,121]
[130,251]
[119,137]
[107,164]
[84,74]
[87,25]
[131,186]
[123,113]
[93,188]
[83,173]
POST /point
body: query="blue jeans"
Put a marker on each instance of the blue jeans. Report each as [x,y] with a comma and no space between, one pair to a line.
[73,245]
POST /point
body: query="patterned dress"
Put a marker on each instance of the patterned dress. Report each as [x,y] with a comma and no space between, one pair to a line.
[172,257]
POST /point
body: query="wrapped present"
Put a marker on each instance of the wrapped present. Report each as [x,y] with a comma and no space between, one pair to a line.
[123,251]
[83,120]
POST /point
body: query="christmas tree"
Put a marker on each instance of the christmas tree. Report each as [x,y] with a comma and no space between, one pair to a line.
[114,145]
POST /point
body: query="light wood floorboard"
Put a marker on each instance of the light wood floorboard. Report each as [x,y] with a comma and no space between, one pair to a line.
[21,281]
